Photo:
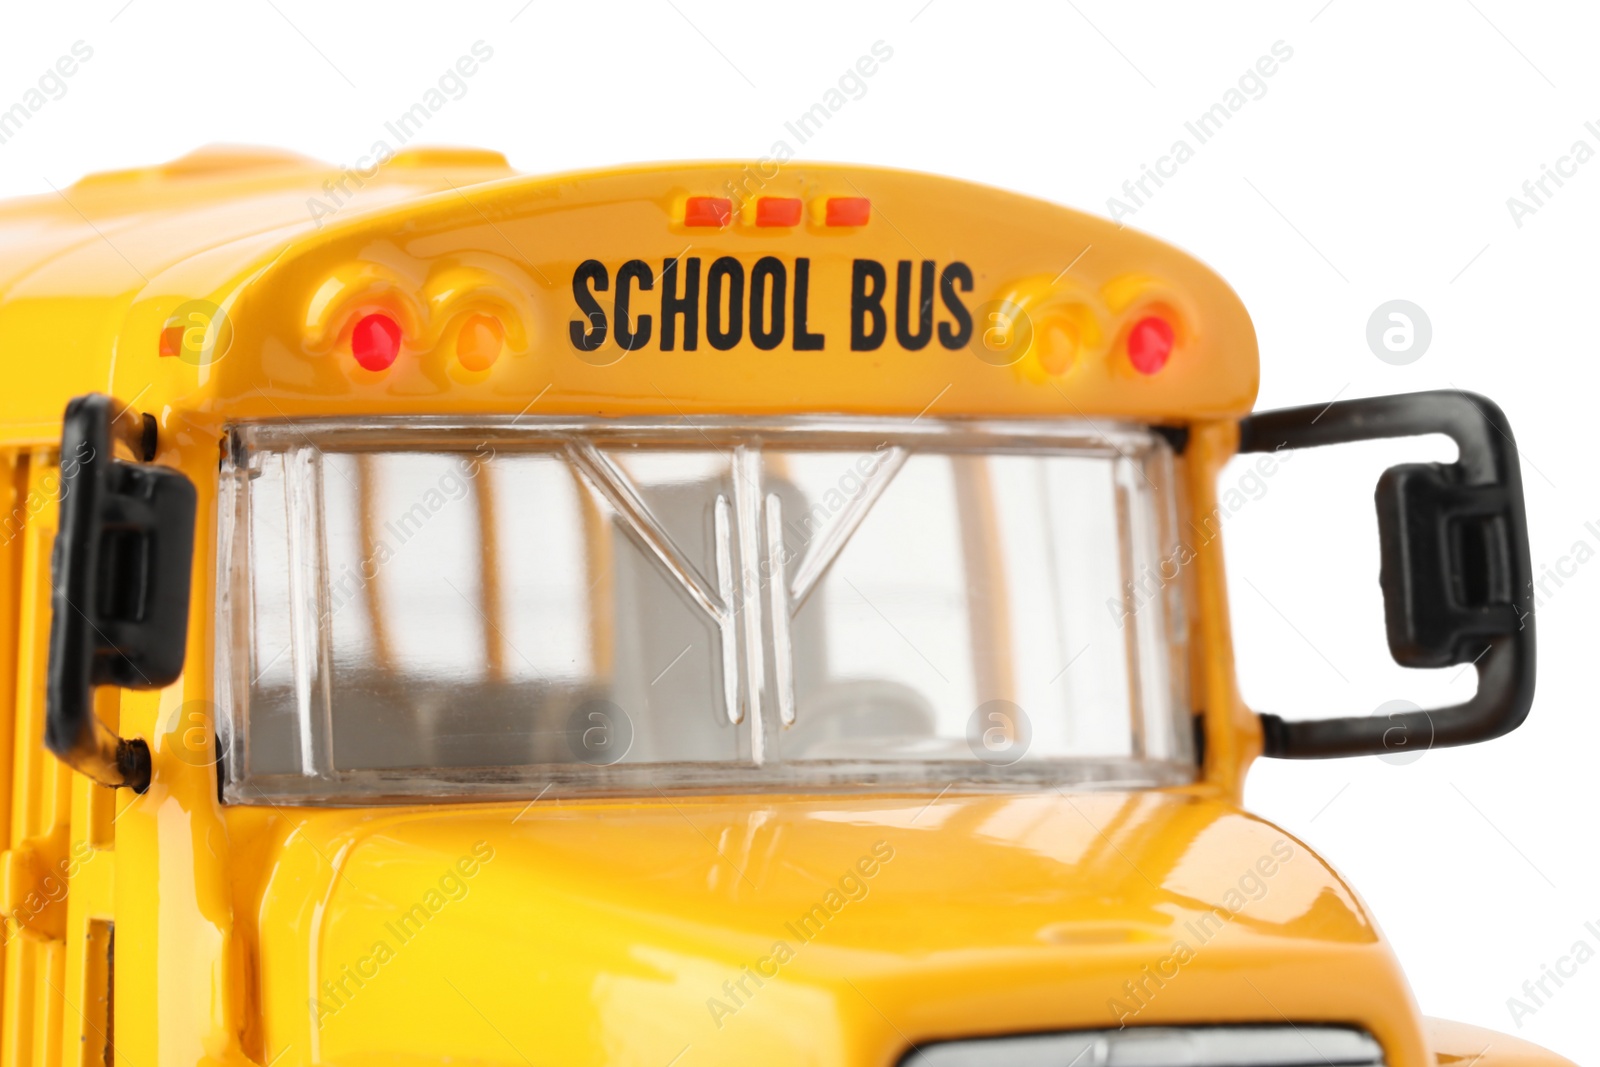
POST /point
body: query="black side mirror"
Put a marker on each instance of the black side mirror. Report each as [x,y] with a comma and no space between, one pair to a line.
[1457,584]
[119,593]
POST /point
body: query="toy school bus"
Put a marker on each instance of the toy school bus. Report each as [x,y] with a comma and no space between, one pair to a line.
[671,615]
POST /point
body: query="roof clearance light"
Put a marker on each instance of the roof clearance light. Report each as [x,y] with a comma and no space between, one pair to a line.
[778,211]
[848,210]
[708,211]
[375,341]
[1150,344]
[479,343]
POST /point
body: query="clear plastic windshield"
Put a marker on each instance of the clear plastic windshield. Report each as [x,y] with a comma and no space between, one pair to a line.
[448,608]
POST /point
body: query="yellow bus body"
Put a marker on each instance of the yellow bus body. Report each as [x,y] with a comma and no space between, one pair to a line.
[616,930]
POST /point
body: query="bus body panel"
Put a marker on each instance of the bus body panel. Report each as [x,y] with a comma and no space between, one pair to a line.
[609,931]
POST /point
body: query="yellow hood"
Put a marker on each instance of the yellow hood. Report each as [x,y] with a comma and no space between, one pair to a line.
[834,930]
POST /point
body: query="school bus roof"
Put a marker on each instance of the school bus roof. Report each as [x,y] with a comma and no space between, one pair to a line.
[227,285]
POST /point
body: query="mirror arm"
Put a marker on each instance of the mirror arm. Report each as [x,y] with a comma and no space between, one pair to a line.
[1456,576]
[119,585]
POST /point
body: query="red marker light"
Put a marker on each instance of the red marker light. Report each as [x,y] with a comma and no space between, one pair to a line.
[778,211]
[848,210]
[171,341]
[707,211]
[1150,344]
[375,341]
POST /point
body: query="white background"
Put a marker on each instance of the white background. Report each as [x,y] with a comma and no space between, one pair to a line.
[1376,166]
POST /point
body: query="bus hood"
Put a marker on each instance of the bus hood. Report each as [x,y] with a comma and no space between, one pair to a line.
[835,930]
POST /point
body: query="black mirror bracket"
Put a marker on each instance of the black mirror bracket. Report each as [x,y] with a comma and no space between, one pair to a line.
[1456,576]
[119,592]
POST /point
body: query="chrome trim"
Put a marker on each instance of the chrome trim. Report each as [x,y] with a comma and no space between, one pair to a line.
[1153,1046]
[400,432]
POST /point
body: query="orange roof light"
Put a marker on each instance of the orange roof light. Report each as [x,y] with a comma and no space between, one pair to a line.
[848,210]
[714,211]
[778,211]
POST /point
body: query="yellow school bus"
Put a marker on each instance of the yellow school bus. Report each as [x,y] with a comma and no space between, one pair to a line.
[672,615]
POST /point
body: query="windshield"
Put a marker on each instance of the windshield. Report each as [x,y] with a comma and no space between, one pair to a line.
[451,608]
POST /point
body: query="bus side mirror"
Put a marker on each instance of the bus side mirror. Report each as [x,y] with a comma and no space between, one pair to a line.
[1456,579]
[119,585]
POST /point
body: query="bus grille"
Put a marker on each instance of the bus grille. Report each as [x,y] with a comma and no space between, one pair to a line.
[1199,1046]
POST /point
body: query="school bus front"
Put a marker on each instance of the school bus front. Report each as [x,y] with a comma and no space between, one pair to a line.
[670,615]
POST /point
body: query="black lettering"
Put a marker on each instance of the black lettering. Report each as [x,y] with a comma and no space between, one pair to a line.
[768,270]
[591,333]
[958,337]
[729,271]
[803,341]
[687,305]
[913,342]
[629,335]
[865,305]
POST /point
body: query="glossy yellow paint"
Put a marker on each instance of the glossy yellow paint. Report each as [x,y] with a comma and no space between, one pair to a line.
[623,932]
[1458,1043]
[615,931]
[435,245]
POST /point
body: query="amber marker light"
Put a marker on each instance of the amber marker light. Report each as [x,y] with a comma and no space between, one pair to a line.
[480,342]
